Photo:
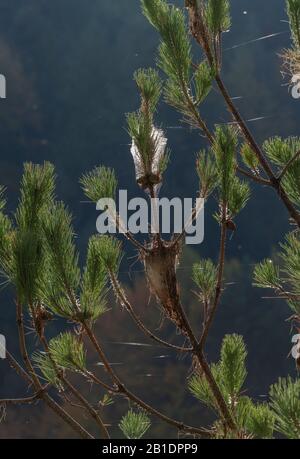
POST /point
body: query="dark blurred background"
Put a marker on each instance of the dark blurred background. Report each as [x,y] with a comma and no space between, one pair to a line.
[69,67]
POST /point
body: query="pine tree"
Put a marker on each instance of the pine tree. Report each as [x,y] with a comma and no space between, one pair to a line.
[39,258]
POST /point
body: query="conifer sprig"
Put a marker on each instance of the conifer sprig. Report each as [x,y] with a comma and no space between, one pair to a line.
[100,183]
[285,403]
[150,87]
[93,297]
[67,352]
[205,277]
[207,173]
[185,88]
[217,15]
[37,193]
[134,425]
[293,10]
[62,254]
[149,144]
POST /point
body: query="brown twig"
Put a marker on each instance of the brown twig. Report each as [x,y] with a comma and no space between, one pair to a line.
[255,178]
[93,413]
[91,377]
[198,352]
[22,401]
[219,283]
[194,215]
[17,367]
[127,234]
[125,302]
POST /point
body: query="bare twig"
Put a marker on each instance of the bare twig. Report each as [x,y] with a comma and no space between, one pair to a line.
[91,377]
[128,235]
[17,367]
[220,274]
[23,401]
[125,302]
[194,215]
[255,178]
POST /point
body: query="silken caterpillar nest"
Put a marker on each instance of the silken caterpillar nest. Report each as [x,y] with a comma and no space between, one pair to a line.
[150,158]
[160,263]
[150,155]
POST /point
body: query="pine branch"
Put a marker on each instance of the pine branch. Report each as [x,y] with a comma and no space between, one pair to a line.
[121,389]
[198,31]
[48,400]
[289,165]
[65,382]
[199,355]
